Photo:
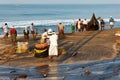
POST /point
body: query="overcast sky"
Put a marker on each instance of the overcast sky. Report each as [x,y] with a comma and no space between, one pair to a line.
[59,1]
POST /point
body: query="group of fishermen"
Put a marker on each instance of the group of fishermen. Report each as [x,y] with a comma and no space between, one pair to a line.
[13,33]
[93,24]
[50,36]
[79,26]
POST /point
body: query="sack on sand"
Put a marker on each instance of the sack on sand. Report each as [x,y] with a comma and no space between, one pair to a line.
[22,47]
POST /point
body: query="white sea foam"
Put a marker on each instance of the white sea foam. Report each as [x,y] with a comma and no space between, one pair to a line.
[36,22]
[43,22]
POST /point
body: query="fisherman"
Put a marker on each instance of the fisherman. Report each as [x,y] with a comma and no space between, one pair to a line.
[5,29]
[61,28]
[13,34]
[111,22]
[102,24]
[73,26]
[26,34]
[53,49]
[32,30]
[85,24]
[78,25]
[44,36]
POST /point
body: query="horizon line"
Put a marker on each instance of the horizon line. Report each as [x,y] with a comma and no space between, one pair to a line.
[55,3]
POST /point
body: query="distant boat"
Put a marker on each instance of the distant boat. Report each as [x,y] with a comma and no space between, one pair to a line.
[93,24]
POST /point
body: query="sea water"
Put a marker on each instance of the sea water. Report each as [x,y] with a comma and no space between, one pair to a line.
[49,15]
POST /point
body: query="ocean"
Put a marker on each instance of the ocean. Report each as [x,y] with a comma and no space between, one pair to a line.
[49,15]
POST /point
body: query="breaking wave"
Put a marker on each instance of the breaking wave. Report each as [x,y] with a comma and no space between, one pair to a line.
[44,22]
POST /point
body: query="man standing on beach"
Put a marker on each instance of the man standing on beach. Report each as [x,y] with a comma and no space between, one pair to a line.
[44,35]
[26,34]
[53,49]
[102,24]
[13,34]
[85,24]
[111,22]
[61,28]
[73,26]
[78,25]
[32,30]
[5,29]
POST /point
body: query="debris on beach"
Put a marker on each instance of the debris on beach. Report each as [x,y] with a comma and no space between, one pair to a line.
[21,77]
[62,51]
[87,72]
[74,54]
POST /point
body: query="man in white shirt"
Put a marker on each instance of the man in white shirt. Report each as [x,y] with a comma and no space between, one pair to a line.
[53,49]
[78,25]
[85,24]
[61,28]
[32,30]
[44,36]
[5,29]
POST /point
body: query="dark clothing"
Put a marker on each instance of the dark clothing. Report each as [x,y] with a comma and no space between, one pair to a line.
[32,32]
[102,24]
[111,20]
[26,33]
[26,36]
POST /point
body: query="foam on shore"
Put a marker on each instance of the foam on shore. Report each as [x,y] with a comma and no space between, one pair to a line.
[44,22]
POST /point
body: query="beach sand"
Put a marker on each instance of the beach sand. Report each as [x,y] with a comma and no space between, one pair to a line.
[89,55]
[80,46]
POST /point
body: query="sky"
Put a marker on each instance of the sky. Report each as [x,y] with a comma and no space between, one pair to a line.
[59,1]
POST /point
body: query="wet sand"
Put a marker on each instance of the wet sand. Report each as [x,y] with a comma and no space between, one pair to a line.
[85,52]
[80,46]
